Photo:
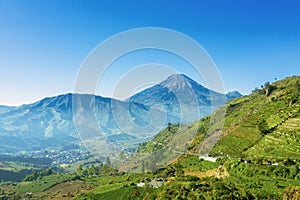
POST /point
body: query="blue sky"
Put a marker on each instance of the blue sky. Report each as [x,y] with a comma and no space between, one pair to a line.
[43,43]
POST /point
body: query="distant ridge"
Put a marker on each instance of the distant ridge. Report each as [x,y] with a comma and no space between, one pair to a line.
[49,122]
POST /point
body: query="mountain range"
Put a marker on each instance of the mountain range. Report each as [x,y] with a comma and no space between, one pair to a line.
[55,121]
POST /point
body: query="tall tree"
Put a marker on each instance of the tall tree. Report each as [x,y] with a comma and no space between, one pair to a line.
[122,155]
[297,88]
[107,161]
[92,170]
[143,167]
[295,95]
[80,169]
[268,88]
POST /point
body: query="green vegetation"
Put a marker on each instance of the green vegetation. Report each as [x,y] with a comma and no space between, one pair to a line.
[157,142]
[25,159]
[258,117]
[263,127]
[246,181]
[43,183]
[265,181]
[16,168]
[193,163]
[37,175]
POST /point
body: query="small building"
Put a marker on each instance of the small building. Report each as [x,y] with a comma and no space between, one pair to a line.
[141,184]
[157,182]
[208,158]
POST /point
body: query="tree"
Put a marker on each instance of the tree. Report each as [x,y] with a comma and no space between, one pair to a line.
[31,177]
[263,127]
[169,126]
[107,161]
[179,170]
[201,130]
[143,167]
[151,161]
[85,172]
[297,87]
[92,170]
[46,172]
[268,88]
[122,155]
[296,94]
[172,128]
[80,169]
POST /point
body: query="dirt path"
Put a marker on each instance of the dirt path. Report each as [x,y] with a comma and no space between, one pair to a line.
[218,172]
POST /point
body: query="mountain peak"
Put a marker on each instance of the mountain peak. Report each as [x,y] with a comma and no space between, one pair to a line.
[233,94]
[177,81]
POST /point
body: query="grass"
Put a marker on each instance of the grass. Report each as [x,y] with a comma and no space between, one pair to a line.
[42,184]
[126,192]
[193,163]
[16,166]
[117,187]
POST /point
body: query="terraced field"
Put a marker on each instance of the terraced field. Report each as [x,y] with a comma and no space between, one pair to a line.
[281,144]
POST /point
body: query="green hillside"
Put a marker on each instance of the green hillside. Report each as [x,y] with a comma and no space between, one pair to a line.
[264,124]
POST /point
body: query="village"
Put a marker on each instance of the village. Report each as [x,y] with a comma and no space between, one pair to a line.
[63,157]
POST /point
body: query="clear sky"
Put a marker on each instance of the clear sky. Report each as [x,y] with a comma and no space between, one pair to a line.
[44,42]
